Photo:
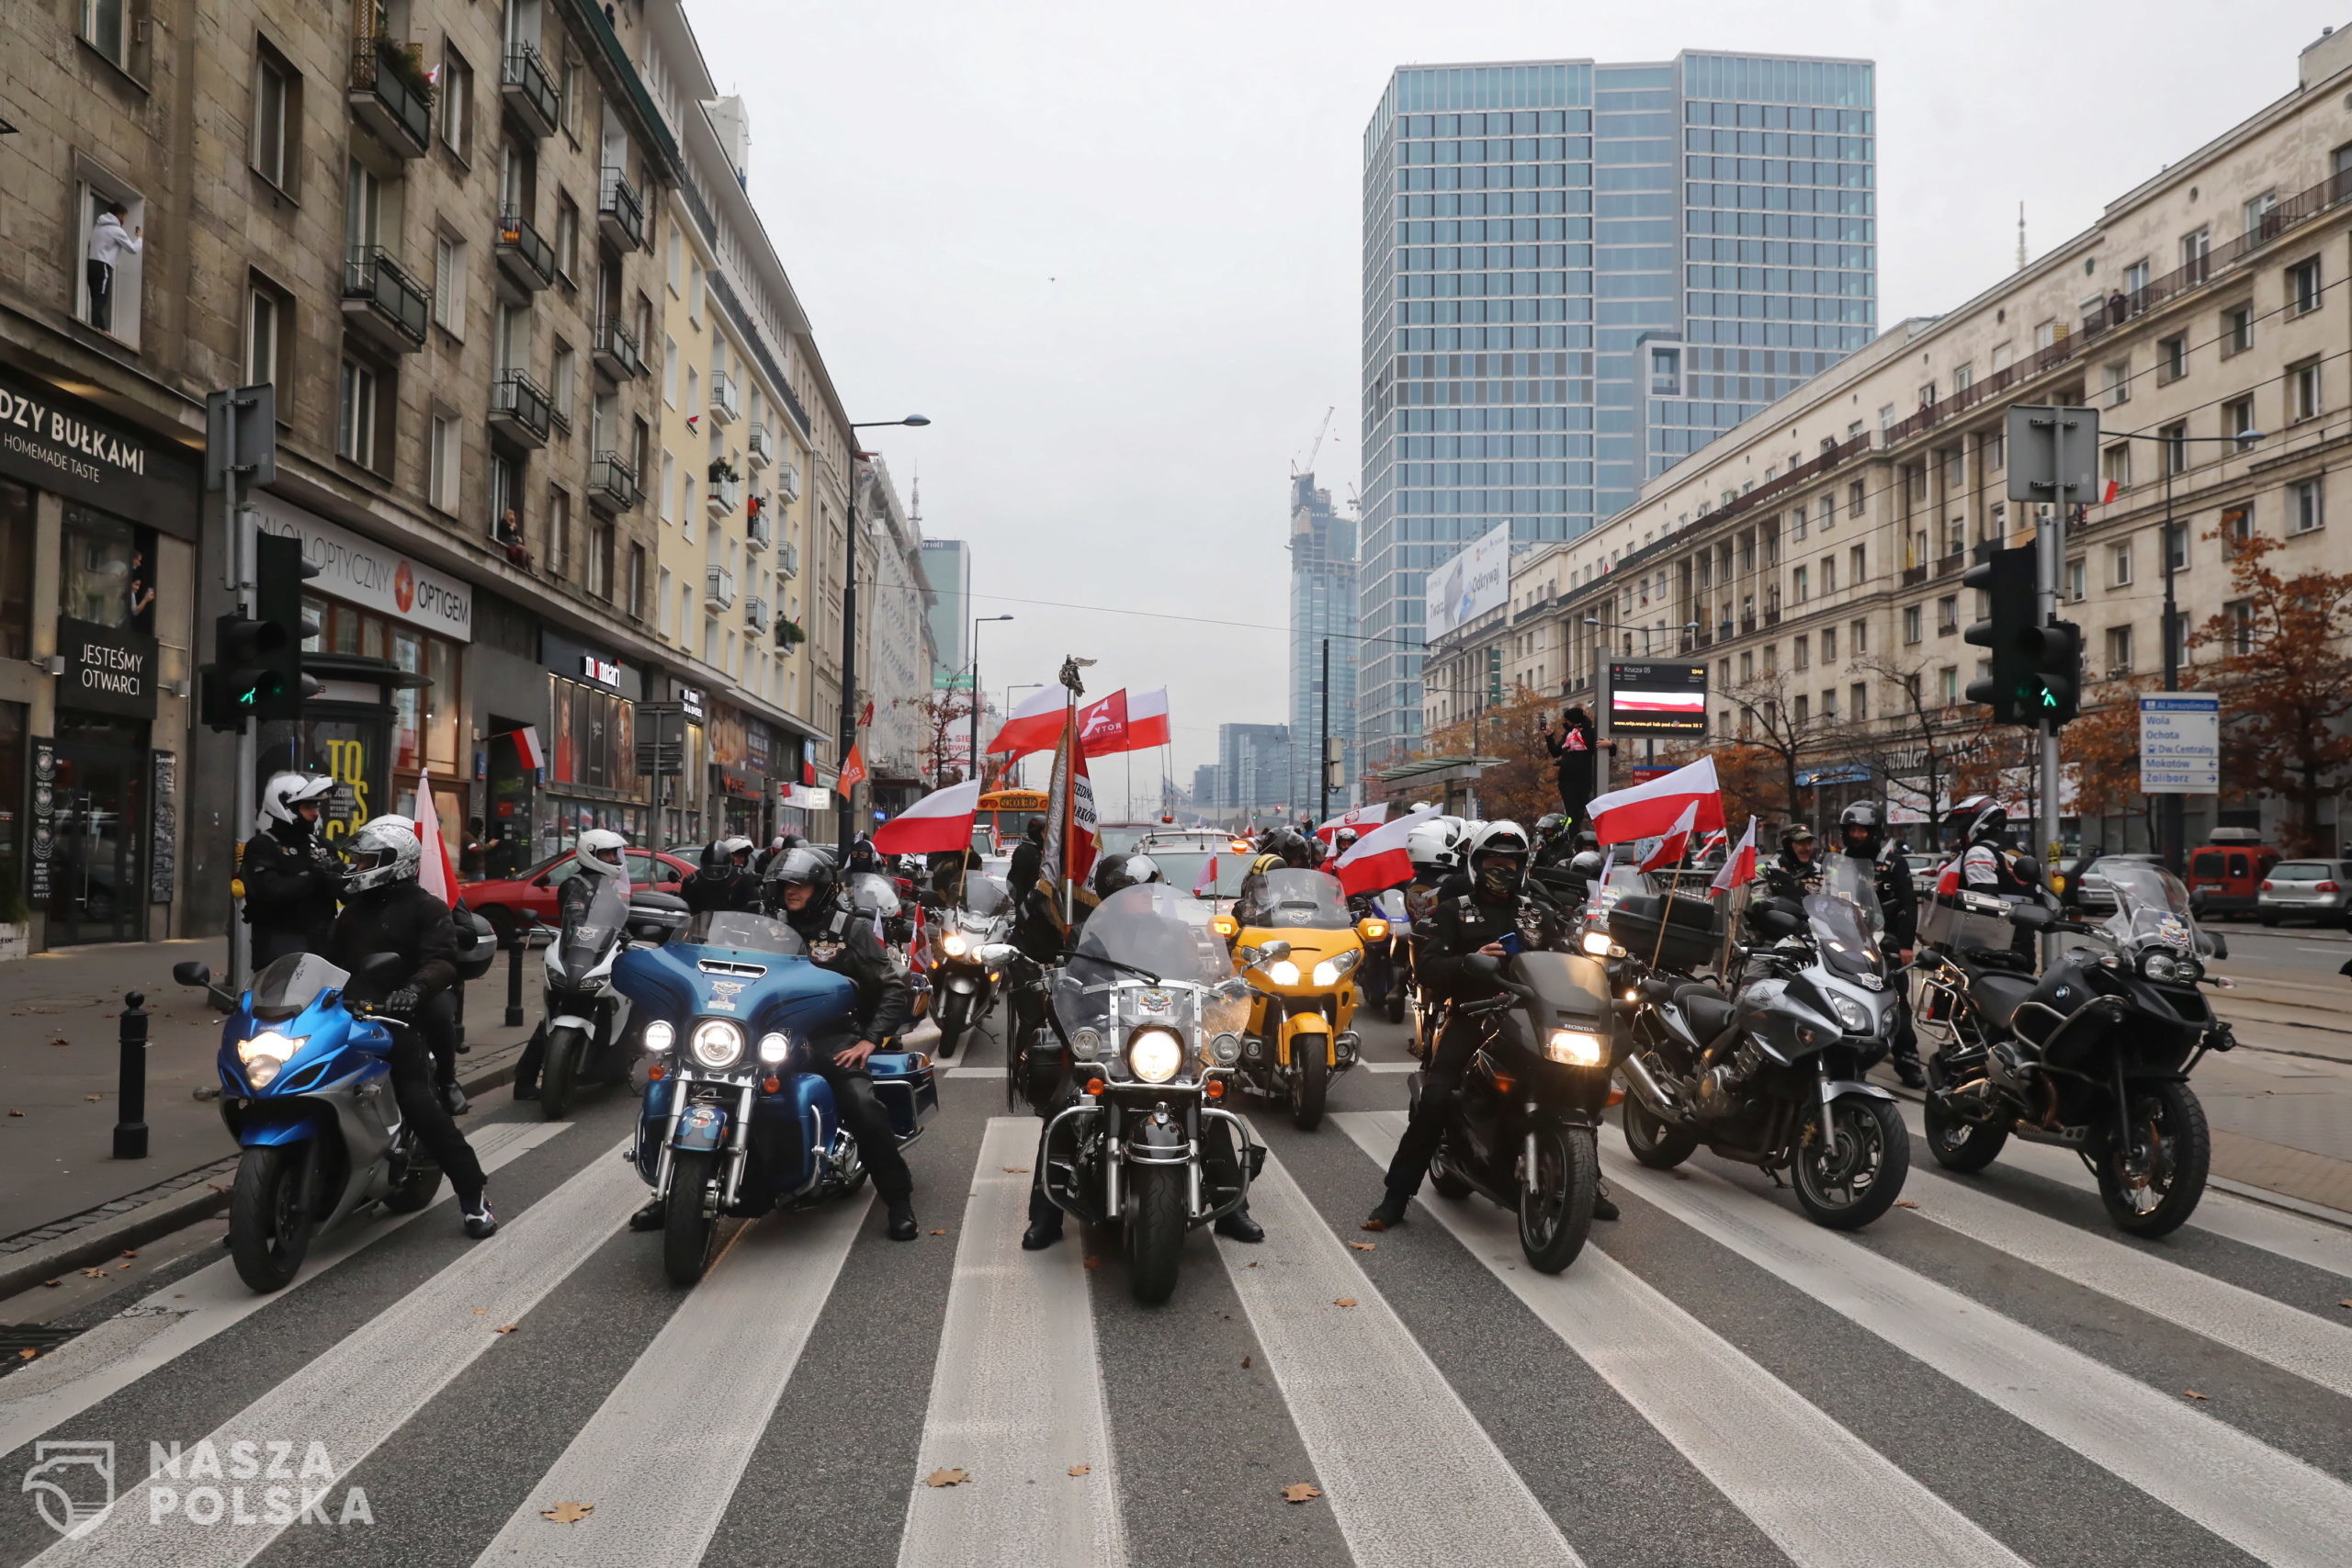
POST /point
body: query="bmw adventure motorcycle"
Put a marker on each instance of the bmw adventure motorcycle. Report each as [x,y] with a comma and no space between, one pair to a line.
[735,1121]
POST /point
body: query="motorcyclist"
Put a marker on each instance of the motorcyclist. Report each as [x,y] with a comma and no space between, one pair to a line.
[1987,863]
[1862,839]
[597,856]
[1556,838]
[1288,845]
[802,892]
[1473,917]
[724,881]
[1342,841]
[1797,870]
[776,846]
[288,876]
[384,911]
[864,858]
[1028,858]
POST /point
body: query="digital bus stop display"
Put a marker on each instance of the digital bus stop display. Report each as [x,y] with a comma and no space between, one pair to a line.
[1649,698]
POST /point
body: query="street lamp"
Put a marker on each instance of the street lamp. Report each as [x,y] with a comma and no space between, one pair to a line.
[849,629]
[977,623]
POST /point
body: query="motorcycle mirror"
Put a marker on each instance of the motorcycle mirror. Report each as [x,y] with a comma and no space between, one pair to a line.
[382,969]
[1269,951]
[192,973]
[996,954]
[2033,918]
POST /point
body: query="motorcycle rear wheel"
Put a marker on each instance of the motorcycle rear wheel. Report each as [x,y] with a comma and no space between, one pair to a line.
[688,1228]
[954,1016]
[1155,1232]
[1958,1145]
[2173,1143]
[1555,1197]
[1651,1141]
[1850,1172]
[1309,1077]
[560,1073]
[269,1228]
[418,1188]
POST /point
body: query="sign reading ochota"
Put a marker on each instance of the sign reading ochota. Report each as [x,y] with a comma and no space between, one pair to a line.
[1651,698]
[2180,743]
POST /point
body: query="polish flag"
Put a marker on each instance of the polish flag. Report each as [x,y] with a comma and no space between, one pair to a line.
[939,822]
[1658,806]
[1739,867]
[1359,819]
[1379,859]
[1669,849]
[529,749]
[2107,496]
[1035,726]
[1102,727]
[434,872]
[1070,816]
[1147,719]
[852,770]
[1205,884]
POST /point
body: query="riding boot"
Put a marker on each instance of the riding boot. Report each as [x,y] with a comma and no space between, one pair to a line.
[1604,1207]
[1239,1226]
[1045,1222]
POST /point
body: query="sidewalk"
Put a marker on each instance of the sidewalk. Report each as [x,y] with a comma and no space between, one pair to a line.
[59,1061]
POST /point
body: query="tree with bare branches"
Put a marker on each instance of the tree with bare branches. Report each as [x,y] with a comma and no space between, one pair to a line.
[945,716]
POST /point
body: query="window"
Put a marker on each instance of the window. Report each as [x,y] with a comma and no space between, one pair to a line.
[1830,644]
[1803,712]
[443,456]
[669,363]
[507,522]
[2115,465]
[266,336]
[2118,378]
[2119,565]
[2195,250]
[1911,625]
[2306,507]
[2135,278]
[449,284]
[1854,498]
[1829,706]
[1797,526]
[1858,701]
[1829,574]
[2078,580]
[1948,615]
[356,417]
[2119,651]
[669,487]
[2241,618]
[567,240]
[456,91]
[677,273]
[2172,358]
[1858,637]
[2237,523]
[693,292]
[1993,452]
[559,543]
[2237,329]
[2176,547]
[276,152]
[661,602]
[635,586]
[2302,391]
[2303,287]
[1803,657]
[2237,419]
[2172,441]
[108,277]
[1800,584]
[106,26]
[2259,208]
[563,380]
[1947,684]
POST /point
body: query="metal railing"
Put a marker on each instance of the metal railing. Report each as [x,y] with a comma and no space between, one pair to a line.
[611,479]
[524,252]
[617,348]
[527,85]
[522,404]
[389,90]
[758,444]
[372,276]
[726,402]
[719,588]
[621,209]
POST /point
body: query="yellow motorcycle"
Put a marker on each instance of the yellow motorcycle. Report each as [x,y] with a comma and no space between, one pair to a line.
[1298,947]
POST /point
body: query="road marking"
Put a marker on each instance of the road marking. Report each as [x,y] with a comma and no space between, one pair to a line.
[1016,1396]
[664,1454]
[1412,1476]
[976,1072]
[1391,1067]
[354,1396]
[2313,1242]
[1710,1402]
[168,1324]
[2274,1507]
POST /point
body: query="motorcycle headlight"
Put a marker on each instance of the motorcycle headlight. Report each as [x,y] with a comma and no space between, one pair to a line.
[265,1054]
[775,1048]
[1850,1013]
[715,1043]
[1577,1047]
[1154,1054]
[1326,973]
[954,945]
[1224,1050]
[1283,972]
[2165,967]
[660,1036]
[1341,963]
[1085,1044]
[1596,944]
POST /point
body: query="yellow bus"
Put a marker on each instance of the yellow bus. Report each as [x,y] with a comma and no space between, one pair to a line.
[1003,813]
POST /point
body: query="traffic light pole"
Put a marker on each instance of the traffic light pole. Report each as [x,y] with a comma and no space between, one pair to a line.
[239,528]
[2053,578]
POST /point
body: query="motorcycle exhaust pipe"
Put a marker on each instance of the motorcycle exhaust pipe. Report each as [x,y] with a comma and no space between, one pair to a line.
[1653,1094]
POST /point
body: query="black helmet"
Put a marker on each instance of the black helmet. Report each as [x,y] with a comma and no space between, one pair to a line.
[1980,820]
[1289,843]
[1585,865]
[1034,830]
[1859,832]
[798,866]
[1115,873]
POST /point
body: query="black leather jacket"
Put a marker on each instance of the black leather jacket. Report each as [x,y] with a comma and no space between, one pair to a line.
[843,941]
[292,880]
[403,919]
[1464,921]
[713,888]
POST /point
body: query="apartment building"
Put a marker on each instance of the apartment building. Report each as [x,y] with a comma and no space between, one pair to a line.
[899,657]
[1812,555]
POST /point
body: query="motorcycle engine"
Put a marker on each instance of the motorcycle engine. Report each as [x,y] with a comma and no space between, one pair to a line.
[2010,1064]
[1719,1086]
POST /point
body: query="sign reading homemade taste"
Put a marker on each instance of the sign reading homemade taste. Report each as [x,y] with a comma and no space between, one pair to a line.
[107,669]
[58,443]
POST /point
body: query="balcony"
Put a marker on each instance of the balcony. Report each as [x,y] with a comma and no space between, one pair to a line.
[726,402]
[525,258]
[1914,575]
[390,96]
[1947,629]
[1952,565]
[758,531]
[724,498]
[719,589]
[615,351]
[755,612]
[788,559]
[520,409]
[758,446]
[529,90]
[611,484]
[383,302]
[620,211]
[787,482]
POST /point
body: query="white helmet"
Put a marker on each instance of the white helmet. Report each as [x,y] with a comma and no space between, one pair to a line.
[386,850]
[1430,848]
[598,852]
[284,791]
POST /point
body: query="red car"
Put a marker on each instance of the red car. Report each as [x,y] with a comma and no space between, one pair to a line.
[502,902]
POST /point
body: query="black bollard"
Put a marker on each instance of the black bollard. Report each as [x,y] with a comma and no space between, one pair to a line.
[515,978]
[131,1095]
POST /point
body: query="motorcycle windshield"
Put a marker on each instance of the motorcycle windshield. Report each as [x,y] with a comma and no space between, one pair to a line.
[986,896]
[1855,880]
[870,894]
[751,933]
[1147,935]
[293,983]
[1845,934]
[588,929]
[1291,897]
[2150,904]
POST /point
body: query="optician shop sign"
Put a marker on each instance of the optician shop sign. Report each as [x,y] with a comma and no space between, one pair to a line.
[59,443]
[361,571]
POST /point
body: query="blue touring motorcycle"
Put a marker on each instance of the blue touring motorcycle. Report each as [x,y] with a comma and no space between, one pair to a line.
[736,1122]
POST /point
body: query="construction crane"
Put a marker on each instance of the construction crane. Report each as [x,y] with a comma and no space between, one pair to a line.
[1297,467]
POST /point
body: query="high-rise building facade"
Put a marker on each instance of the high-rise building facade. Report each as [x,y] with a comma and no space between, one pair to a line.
[947,567]
[1253,769]
[1322,610]
[1575,276]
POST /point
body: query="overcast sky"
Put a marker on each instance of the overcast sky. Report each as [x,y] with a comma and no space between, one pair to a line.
[1113,250]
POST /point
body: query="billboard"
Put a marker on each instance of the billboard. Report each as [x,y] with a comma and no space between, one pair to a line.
[1476,581]
[1647,698]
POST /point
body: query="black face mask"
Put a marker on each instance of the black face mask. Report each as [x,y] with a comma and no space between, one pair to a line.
[1498,881]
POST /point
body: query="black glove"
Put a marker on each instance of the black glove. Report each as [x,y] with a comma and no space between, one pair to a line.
[404,1002]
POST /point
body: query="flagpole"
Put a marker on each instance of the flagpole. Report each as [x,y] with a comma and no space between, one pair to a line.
[1667,912]
[1069,803]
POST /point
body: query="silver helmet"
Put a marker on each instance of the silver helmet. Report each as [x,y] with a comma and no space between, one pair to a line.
[385,850]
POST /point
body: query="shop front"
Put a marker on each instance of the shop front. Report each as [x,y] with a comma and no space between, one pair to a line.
[581,771]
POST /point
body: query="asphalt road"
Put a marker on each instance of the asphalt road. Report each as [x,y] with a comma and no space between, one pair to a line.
[1992,1377]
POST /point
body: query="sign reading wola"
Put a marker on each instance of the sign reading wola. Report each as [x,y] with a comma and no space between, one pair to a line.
[1472,582]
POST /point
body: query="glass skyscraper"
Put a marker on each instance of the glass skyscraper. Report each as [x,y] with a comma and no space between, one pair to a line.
[1575,275]
[1322,605]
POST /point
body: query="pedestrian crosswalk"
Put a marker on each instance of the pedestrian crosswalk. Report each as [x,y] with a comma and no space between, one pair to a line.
[1992,1378]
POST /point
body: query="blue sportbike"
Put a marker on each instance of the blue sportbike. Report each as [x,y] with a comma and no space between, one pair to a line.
[736,1122]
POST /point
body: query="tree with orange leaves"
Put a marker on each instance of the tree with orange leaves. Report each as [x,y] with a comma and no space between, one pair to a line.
[1519,787]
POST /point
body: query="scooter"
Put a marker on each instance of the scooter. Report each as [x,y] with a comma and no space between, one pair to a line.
[586,1020]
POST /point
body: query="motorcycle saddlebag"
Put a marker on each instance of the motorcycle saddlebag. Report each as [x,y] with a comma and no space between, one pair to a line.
[1693,934]
[904,1084]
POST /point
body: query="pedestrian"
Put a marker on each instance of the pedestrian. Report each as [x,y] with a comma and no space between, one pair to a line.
[473,861]
[2119,305]
[1573,754]
[108,240]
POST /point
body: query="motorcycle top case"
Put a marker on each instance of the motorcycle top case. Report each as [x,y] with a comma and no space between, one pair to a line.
[1962,922]
[1692,935]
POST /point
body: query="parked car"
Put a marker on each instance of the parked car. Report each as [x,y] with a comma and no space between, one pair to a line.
[2319,891]
[1923,872]
[2094,892]
[504,902]
[2229,874]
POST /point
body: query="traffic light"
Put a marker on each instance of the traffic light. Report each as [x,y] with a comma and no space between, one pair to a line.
[2058,673]
[2010,633]
[256,669]
[244,672]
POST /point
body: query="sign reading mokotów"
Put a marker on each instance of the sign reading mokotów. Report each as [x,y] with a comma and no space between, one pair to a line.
[2180,743]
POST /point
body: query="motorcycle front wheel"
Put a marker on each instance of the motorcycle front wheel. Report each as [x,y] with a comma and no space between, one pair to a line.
[2152,1183]
[560,1074]
[269,1227]
[954,1016]
[1154,1233]
[689,1228]
[1555,1197]
[1309,1077]
[1850,1172]
[1958,1143]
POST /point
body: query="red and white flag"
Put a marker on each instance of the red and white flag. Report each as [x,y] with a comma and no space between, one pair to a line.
[528,748]
[853,770]
[1669,849]
[1102,727]
[1205,884]
[939,822]
[1380,859]
[1739,867]
[1147,719]
[1359,819]
[434,872]
[1069,816]
[1658,806]
[1035,726]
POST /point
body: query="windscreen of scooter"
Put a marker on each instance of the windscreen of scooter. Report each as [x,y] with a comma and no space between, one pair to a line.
[1847,919]
[293,983]
[736,929]
[1294,898]
[1145,934]
[2151,906]
[588,929]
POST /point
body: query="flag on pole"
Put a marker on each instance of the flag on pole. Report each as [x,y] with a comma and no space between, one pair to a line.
[853,770]
[1380,858]
[529,749]
[1205,884]
[865,719]
[1147,719]
[434,872]
[1102,727]
[939,822]
[1669,848]
[1034,724]
[1655,807]
[1359,819]
[1739,867]
[1069,814]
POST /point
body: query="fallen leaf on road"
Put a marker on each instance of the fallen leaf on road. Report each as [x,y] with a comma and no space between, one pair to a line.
[93,1273]
[2346,1301]
[1244,1363]
[1345,1302]
[2194,1395]
[27,1353]
[510,1328]
[52,1284]
[568,1513]
[91,1098]
[1081,1470]
[1253,1266]
[482,1312]
[946,1478]
[1300,1492]
[1905,1203]
[16,1113]
[1095,1263]
[1363,1245]
[939,1233]
[61,1040]
[1016,1170]
[122,1265]
[131,1252]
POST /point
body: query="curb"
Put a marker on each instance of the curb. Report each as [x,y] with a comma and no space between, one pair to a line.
[102,1239]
